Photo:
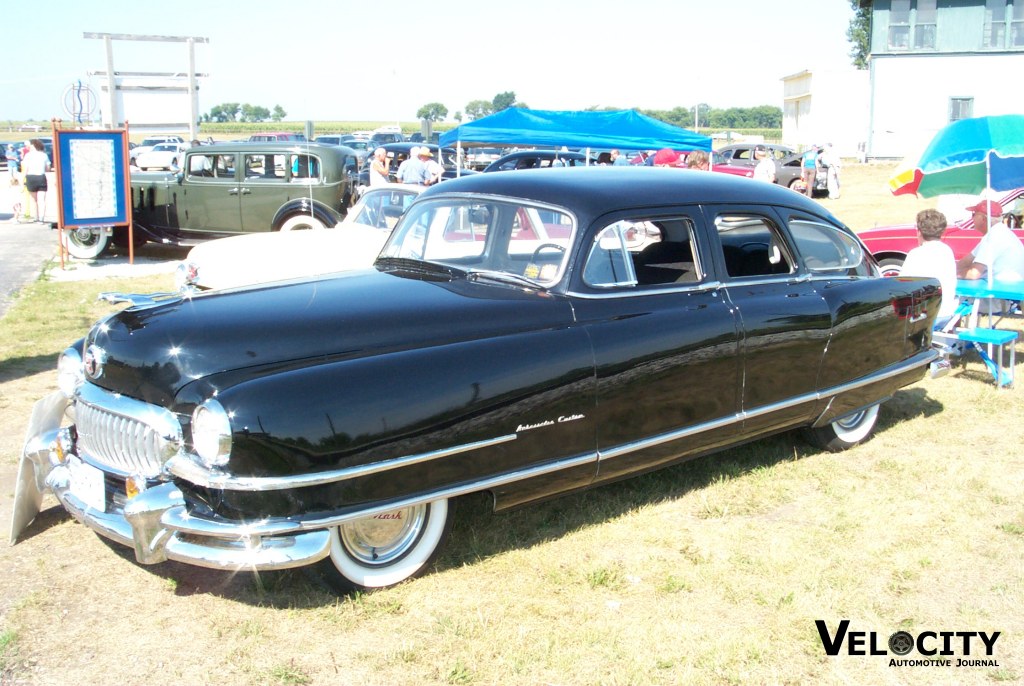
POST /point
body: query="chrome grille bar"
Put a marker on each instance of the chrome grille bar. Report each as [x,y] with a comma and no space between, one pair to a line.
[126,436]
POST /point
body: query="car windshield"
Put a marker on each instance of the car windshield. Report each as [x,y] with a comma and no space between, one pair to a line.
[494,238]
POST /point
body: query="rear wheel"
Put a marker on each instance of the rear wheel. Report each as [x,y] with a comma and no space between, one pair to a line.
[387,548]
[891,266]
[86,244]
[301,222]
[847,431]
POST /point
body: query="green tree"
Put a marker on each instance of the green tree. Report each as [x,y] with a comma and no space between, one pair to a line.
[227,111]
[279,113]
[432,111]
[503,101]
[475,109]
[457,117]
[254,113]
[859,34]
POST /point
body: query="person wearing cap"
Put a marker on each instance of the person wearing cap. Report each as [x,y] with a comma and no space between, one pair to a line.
[934,258]
[432,169]
[765,168]
[999,250]
[412,170]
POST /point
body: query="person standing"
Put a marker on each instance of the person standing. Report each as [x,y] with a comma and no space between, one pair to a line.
[765,168]
[411,170]
[432,169]
[809,170]
[379,168]
[13,163]
[934,258]
[35,165]
[618,159]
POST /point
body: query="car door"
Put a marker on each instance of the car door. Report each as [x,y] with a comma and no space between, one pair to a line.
[264,189]
[785,322]
[665,341]
[874,321]
[211,194]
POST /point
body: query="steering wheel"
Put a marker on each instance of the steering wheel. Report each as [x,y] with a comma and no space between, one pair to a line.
[542,246]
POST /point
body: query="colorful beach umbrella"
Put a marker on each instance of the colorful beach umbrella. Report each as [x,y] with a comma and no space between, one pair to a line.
[967,156]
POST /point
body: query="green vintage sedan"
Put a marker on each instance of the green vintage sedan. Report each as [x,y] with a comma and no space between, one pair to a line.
[227,189]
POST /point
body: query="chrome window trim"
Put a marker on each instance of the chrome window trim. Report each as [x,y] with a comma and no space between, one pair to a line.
[638,291]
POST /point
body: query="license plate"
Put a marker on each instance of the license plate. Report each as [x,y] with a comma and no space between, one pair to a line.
[87,484]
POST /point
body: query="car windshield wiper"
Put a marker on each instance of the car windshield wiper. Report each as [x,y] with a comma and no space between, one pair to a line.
[412,264]
[503,277]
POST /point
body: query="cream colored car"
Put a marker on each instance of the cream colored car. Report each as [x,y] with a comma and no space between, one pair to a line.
[257,258]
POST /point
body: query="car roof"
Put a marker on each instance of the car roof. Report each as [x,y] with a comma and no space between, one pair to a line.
[598,190]
[300,147]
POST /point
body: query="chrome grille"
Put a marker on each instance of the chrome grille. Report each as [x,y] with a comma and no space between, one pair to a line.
[125,435]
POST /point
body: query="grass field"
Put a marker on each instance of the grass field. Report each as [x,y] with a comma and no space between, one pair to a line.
[710,572]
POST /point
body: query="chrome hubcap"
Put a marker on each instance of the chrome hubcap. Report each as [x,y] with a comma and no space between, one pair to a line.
[384,537]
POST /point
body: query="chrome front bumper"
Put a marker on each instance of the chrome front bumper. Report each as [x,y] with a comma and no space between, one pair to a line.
[155,523]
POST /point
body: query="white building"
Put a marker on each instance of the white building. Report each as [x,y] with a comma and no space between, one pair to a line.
[826,106]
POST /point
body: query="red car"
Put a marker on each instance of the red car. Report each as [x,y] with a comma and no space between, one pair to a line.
[890,244]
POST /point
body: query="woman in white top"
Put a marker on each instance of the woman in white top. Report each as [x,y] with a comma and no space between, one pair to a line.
[35,165]
[934,258]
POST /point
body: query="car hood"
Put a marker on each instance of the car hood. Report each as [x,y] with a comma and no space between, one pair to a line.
[151,353]
[265,257]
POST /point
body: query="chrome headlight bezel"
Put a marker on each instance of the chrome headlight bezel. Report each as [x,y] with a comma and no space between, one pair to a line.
[211,434]
[70,372]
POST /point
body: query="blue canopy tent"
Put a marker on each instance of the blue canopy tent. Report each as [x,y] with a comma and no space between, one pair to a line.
[623,129]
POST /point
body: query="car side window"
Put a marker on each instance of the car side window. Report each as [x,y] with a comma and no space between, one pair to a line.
[752,246]
[264,167]
[224,166]
[826,248]
[608,261]
[305,168]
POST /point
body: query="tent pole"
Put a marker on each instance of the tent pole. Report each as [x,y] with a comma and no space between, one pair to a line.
[988,195]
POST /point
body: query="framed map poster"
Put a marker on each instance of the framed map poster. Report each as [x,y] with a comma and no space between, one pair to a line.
[92,177]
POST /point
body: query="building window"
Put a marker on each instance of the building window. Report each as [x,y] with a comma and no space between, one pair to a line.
[1017,24]
[960,108]
[924,25]
[994,35]
[912,24]
[899,25]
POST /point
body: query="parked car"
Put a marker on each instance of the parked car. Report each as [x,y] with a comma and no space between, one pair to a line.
[718,164]
[264,257]
[335,420]
[276,136]
[742,154]
[149,142]
[231,188]
[382,137]
[789,173]
[479,158]
[539,159]
[162,156]
[362,146]
[890,244]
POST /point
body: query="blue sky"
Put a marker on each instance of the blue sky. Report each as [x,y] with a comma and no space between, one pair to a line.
[345,60]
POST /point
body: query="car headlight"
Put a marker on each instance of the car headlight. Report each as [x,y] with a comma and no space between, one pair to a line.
[211,433]
[70,372]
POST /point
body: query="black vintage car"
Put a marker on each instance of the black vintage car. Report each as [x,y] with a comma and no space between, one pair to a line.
[510,339]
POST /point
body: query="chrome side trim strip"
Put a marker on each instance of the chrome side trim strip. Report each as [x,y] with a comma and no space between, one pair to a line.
[190,469]
[921,359]
[644,291]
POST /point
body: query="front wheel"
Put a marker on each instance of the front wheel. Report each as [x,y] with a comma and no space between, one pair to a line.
[87,244]
[301,222]
[847,431]
[387,548]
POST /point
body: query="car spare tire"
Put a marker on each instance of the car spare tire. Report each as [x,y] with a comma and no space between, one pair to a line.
[87,243]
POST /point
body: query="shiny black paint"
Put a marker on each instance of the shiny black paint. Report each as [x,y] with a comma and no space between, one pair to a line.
[370,366]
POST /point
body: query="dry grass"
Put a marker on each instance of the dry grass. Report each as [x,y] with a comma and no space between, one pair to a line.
[711,572]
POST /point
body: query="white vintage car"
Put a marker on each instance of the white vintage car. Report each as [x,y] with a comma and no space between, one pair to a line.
[162,156]
[263,257]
